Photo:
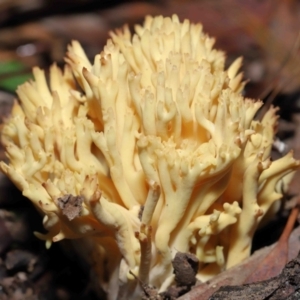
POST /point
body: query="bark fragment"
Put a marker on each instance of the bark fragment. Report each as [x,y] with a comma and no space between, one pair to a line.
[70,205]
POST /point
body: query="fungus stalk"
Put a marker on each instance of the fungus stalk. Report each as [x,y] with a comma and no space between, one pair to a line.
[148,151]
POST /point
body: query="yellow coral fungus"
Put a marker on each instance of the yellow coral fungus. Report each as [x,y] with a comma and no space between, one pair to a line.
[157,149]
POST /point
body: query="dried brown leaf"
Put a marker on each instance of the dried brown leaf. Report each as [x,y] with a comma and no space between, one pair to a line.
[238,274]
[284,286]
[275,261]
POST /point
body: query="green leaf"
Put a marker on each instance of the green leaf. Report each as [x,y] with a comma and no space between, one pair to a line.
[12,74]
